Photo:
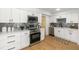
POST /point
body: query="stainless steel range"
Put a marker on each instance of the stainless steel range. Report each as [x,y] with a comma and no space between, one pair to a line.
[34,28]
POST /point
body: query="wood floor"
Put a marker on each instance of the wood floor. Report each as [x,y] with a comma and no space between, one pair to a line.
[53,43]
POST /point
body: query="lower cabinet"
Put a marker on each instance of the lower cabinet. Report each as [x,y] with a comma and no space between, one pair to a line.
[24,40]
[14,41]
[58,32]
[74,36]
[8,42]
[68,34]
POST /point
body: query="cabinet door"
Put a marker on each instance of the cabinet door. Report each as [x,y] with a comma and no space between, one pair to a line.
[23,17]
[5,15]
[64,16]
[74,36]
[16,15]
[39,18]
[72,18]
[24,40]
[3,39]
[58,16]
[61,34]
[53,19]
[8,42]
[57,32]
[18,40]
[66,34]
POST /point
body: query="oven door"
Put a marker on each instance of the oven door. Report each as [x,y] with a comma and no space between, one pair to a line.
[34,37]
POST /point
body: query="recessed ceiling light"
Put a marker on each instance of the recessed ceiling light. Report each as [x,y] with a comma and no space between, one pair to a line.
[58,9]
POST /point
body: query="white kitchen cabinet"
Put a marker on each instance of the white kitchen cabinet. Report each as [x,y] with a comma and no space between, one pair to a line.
[39,18]
[73,36]
[5,15]
[23,16]
[24,39]
[2,41]
[8,42]
[12,15]
[16,15]
[53,19]
[67,34]
[18,41]
[58,16]
[14,41]
[74,18]
[19,16]
[70,17]
[58,32]
[61,16]
[42,33]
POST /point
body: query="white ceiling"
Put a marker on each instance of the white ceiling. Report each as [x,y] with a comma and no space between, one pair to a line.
[53,10]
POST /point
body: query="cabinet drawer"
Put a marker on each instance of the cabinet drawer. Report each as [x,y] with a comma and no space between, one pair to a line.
[12,41]
[11,48]
[8,47]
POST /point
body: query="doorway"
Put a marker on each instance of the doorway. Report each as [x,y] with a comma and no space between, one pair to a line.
[43,24]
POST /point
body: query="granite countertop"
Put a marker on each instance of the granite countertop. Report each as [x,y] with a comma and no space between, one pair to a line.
[67,28]
[3,33]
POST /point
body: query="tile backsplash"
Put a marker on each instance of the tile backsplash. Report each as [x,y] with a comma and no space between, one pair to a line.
[67,25]
[16,26]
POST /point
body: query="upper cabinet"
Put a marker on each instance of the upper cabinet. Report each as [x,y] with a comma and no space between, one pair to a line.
[53,19]
[39,18]
[70,17]
[23,17]
[5,15]
[16,15]
[13,15]
[8,15]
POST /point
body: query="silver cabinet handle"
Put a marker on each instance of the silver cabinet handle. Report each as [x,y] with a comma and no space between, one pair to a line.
[12,36]
[11,41]
[11,48]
